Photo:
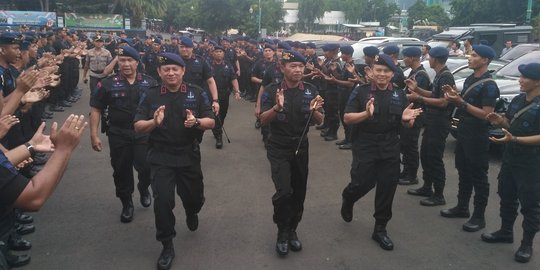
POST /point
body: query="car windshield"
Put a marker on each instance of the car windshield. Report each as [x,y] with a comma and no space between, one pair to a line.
[511,69]
[438,43]
[518,51]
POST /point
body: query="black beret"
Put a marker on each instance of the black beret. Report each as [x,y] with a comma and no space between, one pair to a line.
[439,52]
[289,56]
[252,41]
[412,52]
[128,51]
[187,42]
[295,44]
[157,41]
[385,60]
[311,45]
[284,45]
[347,50]
[126,40]
[170,59]
[484,51]
[531,71]
[391,49]
[371,51]
[7,38]
[330,47]
[218,48]
[42,35]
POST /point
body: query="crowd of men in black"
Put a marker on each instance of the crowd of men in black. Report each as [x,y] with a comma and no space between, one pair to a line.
[155,99]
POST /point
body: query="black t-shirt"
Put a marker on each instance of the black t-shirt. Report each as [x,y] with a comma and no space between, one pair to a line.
[389,106]
[292,120]
[444,77]
[12,185]
[198,71]
[272,74]
[121,98]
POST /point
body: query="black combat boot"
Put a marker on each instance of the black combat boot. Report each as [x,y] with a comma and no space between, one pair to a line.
[167,255]
[145,198]
[459,211]
[380,236]
[477,221]
[424,191]
[282,243]
[294,242]
[524,253]
[127,210]
[347,210]
[219,141]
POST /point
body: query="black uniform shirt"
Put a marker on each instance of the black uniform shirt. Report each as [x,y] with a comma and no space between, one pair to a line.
[528,123]
[231,57]
[422,79]
[151,63]
[272,74]
[483,95]
[172,133]
[223,75]
[121,98]
[197,71]
[444,77]
[389,106]
[292,120]
[12,184]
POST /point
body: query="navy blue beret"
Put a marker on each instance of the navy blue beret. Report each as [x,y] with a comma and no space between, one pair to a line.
[284,45]
[296,44]
[439,52]
[50,34]
[187,42]
[252,41]
[385,60]
[25,45]
[311,45]
[412,52]
[213,43]
[72,31]
[391,49]
[371,51]
[171,59]
[275,40]
[157,41]
[289,56]
[302,45]
[128,51]
[330,47]
[484,51]
[531,71]
[269,46]
[98,38]
[218,48]
[126,40]
[7,38]
[42,35]
[347,50]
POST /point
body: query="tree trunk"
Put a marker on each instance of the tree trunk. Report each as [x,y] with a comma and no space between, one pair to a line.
[41,5]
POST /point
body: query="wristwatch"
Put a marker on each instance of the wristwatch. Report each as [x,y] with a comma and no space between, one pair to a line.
[197,123]
[30,149]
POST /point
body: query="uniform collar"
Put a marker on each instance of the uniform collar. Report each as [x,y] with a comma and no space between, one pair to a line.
[285,87]
[164,90]
[374,88]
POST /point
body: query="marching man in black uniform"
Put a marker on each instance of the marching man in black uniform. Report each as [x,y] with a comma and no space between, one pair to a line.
[174,114]
[225,78]
[377,109]
[120,95]
[288,107]
[519,178]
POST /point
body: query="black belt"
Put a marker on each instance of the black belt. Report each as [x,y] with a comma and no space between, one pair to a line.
[97,71]
[171,149]
[378,136]
[436,111]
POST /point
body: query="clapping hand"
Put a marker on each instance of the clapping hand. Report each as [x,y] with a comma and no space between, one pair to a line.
[159,115]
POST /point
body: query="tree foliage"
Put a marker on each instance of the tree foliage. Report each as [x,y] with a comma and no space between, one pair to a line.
[420,13]
[369,10]
[309,11]
[466,12]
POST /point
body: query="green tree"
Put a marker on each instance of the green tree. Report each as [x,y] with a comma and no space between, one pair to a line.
[370,10]
[466,12]
[420,12]
[308,12]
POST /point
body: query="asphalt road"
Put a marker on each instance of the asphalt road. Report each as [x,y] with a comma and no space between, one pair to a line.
[79,227]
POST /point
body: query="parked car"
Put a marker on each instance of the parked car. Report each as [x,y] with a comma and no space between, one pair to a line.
[519,50]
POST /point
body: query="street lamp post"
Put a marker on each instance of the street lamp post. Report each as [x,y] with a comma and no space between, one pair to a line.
[260,14]
[529,11]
